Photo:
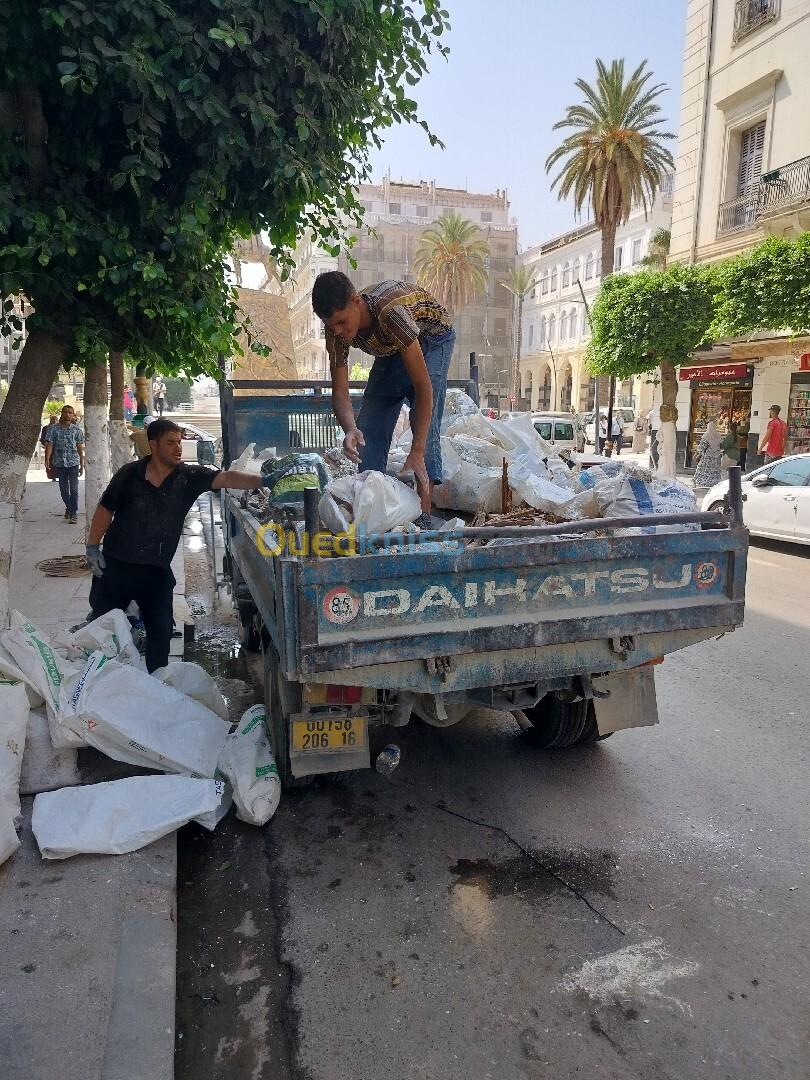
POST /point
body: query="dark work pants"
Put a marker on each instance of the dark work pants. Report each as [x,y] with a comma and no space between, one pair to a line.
[68,478]
[151,587]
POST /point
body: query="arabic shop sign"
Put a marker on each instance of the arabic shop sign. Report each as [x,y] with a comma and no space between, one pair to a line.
[712,372]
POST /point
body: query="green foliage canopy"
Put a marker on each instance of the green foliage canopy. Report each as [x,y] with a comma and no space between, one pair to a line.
[641,320]
[139,139]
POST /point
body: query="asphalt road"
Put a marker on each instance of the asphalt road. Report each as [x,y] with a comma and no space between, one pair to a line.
[638,909]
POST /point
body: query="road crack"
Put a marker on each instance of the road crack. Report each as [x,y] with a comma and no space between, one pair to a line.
[525,851]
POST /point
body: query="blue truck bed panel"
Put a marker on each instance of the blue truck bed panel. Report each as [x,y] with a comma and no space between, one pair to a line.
[363,611]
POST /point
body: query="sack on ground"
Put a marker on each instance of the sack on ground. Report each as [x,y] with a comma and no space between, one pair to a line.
[637,498]
[195,682]
[9,841]
[13,722]
[132,717]
[110,634]
[248,763]
[119,816]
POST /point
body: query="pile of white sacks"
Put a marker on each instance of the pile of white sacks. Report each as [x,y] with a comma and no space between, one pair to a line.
[474,449]
[95,691]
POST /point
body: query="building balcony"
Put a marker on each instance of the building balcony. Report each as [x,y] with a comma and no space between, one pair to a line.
[749,15]
[783,192]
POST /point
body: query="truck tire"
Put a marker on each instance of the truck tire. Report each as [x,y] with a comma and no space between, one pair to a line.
[281,700]
[558,725]
[249,634]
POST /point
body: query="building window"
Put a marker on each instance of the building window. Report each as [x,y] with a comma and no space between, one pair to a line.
[563,327]
[572,324]
[395,208]
[566,276]
[598,266]
[542,335]
[589,266]
[486,215]
[636,252]
[575,272]
[752,143]
[500,331]
[544,284]
[552,326]
[749,15]
[421,211]
[531,334]
[617,259]
[554,279]
[533,294]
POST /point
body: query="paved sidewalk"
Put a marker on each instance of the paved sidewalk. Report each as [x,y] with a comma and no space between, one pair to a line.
[87,964]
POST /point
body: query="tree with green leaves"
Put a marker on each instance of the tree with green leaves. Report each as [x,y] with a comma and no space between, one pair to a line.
[139,141]
[615,157]
[519,282]
[766,288]
[451,262]
[653,319]
[656,257]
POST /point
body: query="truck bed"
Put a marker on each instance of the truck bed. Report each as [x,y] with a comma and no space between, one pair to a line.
[439,621]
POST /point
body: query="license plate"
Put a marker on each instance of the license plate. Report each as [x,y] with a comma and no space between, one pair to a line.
[330,733]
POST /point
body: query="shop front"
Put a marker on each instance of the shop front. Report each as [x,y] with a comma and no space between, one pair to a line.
[798,417]
[718,392]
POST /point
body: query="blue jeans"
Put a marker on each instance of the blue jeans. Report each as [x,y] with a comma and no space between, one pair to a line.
[68,477]
[388,387]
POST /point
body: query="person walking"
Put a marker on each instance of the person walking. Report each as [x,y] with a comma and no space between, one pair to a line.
[772,443]
[730,447]
[64,459]
[140,519]
[743,427]
[159,394]
[709,456]
[616,433]
[654,423]
[411,337]
[43,438]
[129,403]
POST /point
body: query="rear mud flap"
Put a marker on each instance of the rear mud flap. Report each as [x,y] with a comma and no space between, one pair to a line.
[630,703]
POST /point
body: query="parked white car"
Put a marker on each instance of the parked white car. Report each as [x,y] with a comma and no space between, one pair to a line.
[556,428]
[776,499]
[192,435]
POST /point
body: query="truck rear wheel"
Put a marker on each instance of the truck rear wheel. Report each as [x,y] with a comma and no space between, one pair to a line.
[281,699]
[558,725]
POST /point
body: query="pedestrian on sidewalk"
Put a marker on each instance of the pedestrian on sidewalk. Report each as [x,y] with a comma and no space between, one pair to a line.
[772,443]
[140,519]
[43,437]
[159,394]
[616,433]
[709,456]
[129,403]
[730,447]
[64,459]
[743,428]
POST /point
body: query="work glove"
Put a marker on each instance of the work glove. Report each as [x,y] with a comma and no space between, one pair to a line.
[95,559]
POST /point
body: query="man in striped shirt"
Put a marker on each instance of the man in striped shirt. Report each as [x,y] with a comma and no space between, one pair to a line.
[412,338]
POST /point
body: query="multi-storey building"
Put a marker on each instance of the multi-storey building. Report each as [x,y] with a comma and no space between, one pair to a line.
[553,373]
[396,217]
[743,172]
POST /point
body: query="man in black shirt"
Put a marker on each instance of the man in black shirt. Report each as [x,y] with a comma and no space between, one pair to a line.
[140,518]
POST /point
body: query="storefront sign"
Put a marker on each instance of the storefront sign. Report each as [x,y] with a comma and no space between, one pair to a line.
[804,362]
[712,372]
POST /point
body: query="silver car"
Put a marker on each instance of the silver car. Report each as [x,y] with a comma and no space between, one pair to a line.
[776,499]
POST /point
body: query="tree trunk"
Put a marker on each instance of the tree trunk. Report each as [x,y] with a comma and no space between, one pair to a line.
[667,433]
[608,250]
[515,380]
[20,423]
[120,447]
[96,438]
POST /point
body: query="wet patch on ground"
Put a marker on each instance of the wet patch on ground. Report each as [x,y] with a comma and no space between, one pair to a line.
[547,872]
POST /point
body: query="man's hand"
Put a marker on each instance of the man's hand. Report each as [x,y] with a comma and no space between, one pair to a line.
[81,467]
[95,559]
[351,443]
[415,463]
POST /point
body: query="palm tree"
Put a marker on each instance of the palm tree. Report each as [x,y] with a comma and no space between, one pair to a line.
[520,281]
[615,157]
[656,257]
[451,262]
